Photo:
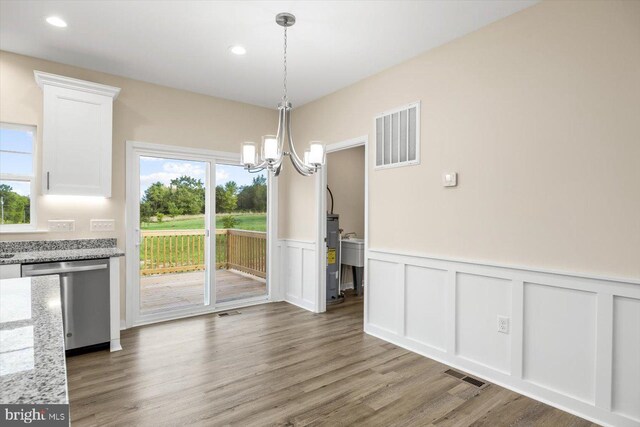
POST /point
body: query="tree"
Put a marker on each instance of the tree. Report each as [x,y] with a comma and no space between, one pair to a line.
[187,195]
[226,197]
[173,210]
[229,221]
[16,208]
[145,212]
[219,198]
[183,196]
[260,196]
[254,197]
[260,180]
[245,198]
[156,197]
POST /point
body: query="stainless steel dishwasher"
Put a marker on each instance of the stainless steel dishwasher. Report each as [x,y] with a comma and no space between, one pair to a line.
[84,290]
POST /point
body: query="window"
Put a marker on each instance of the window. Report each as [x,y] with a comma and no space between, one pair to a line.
[17,143]
[398,137]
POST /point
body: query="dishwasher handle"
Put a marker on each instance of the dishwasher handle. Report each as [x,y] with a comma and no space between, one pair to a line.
[63,270]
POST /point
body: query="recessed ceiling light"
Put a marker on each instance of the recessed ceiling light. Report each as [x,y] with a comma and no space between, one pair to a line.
[238,50]
[56,21]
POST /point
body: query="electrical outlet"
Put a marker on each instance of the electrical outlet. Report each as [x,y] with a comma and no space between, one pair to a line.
[102,225]
[62,225]
[503,324]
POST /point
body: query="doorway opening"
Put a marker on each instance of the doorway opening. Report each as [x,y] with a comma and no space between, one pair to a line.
[342,213]
[345,224]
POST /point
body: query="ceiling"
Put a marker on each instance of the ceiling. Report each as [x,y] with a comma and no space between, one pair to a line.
[184,44]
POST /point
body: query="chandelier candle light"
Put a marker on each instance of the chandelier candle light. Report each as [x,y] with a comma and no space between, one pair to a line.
[272,152]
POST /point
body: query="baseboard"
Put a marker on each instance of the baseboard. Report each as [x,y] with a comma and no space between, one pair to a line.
[307,305]
[115,345]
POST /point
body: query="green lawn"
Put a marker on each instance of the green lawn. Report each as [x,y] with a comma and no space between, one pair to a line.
[255,222]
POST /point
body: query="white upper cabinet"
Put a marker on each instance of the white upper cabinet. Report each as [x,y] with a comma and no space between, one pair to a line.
[77,136]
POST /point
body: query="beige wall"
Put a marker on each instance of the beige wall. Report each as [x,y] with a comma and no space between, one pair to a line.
[142,112]
[539,114]
[345,178]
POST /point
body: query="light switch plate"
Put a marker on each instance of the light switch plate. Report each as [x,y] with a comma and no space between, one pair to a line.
[450,179]
[102,225]
[62,225]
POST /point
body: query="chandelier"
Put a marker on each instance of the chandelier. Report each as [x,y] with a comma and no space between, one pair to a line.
[272,151]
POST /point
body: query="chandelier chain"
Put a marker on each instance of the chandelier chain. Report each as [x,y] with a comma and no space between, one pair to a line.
[284,82]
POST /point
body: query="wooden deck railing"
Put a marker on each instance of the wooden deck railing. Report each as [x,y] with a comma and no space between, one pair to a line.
[174,251]
[247,252]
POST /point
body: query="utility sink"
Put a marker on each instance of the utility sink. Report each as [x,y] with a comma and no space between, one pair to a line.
[353,252]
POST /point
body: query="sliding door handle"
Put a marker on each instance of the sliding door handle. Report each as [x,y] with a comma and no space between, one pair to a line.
[47,181]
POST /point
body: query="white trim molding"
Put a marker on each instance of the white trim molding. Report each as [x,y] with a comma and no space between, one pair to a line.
[569,343]
[43,78]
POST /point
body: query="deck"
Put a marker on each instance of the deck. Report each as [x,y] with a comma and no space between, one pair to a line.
[170,291]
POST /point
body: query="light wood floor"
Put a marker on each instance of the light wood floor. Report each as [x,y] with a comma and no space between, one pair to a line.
[276,364]
[169,291]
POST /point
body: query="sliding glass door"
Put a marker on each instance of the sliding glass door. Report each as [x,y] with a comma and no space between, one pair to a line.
[170,212]
[241,234]
[173,234]
[196,233]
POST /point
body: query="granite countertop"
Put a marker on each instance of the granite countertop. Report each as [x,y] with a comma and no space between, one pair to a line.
[61,255]
[25,252]
[32,358]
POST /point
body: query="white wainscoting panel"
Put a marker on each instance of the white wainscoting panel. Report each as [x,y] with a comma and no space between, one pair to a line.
[560,340]
[479,302]
[573,341]
[308,274]
[293,272]
[383,284]
[425,302]
[298,271]
[626,357]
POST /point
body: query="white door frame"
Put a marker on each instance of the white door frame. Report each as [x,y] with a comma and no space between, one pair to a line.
[134,149]
[321,215]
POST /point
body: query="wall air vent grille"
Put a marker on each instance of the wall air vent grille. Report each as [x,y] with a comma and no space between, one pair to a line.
[398,137]
[459,375]
[473,381]
[455,373]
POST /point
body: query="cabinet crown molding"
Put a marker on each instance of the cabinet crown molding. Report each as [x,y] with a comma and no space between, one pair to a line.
[43,78]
